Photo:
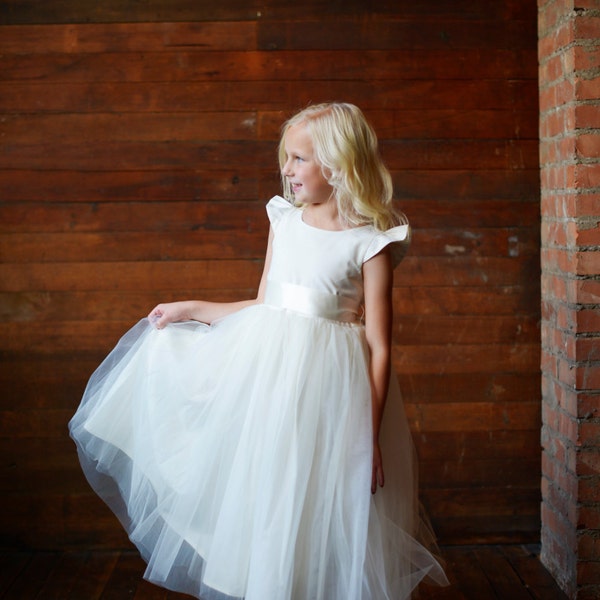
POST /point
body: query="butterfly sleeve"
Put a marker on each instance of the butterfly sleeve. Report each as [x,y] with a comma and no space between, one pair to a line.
[398,238]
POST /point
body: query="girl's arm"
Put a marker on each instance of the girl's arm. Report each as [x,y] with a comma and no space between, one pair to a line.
[207,312]
[378,279]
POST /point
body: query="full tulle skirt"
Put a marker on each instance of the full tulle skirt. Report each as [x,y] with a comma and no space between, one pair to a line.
[238,459]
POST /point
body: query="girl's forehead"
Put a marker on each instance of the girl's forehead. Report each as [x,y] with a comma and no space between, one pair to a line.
[298,135]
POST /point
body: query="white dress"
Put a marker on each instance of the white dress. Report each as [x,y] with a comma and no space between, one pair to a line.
[238,456]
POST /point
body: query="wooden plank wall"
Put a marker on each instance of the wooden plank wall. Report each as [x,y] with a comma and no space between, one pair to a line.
[137,151]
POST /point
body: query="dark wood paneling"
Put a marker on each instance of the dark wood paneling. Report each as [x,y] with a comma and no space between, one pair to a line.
[86,63]
[138,151]
[239,96]
[115,11]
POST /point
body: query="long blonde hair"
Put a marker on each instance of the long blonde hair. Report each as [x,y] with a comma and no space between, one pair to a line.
[345,146]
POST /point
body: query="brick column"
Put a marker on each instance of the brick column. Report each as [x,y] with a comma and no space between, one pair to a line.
[569,54]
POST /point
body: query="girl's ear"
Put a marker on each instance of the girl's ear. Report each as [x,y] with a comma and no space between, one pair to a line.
[327,173]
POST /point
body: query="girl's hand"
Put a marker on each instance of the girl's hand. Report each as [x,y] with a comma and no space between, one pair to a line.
[377,478]
[163,314]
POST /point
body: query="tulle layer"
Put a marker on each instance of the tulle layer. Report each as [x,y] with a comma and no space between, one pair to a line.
[238,458]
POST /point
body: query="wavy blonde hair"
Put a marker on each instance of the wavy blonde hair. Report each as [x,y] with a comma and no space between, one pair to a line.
[345,146]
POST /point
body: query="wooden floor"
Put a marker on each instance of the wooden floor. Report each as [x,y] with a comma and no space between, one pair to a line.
[476,573]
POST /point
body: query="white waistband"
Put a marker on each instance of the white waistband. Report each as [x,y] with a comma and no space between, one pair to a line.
[311,302]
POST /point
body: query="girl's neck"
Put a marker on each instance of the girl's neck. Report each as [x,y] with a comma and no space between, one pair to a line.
[323,216]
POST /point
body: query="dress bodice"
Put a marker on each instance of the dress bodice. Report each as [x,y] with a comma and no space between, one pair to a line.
[320,271]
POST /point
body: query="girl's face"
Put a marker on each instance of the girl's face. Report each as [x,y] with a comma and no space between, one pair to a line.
[302,170]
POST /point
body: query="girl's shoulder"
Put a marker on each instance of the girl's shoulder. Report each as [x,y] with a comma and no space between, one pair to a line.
[397,238]
[278,208]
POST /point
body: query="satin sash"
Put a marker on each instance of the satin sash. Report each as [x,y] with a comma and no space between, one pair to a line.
[311,302]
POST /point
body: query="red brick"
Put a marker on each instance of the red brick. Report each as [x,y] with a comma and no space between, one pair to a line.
[559,116]
[559,259]
[565,205]
[588,405]
[549,17]
[587,205]
[569,482]
[548,310]
[557,150]
[586,58]
[572,293]
[555,286]
[589,436]
[587,348]
[559,233]
[587,145]
[571,173]
[554,548]
[587,116]
[547,439]
[560,502]
[589,517]
[588,377]
[549,366]
[588,490]
[568,343]
[587,176]
[586,26]
[588,320]
[588,545]
[552,41]
[588,234]
[587,89]
[586,592]
[550,417]
[547,105]
[547,334]
[568,426]
[589,464]
[586,3]
[588,263]
[568,400]
[548,466]
[566,318]
[559,525]
[588,572]
[559,460]
[565,148]
[548,387]
[553,69]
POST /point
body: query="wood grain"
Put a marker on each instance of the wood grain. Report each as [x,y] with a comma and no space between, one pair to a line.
[138,151]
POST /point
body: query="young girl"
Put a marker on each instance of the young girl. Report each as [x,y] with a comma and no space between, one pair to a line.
[242,444]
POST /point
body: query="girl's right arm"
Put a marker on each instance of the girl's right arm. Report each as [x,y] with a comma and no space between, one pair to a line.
[207,312]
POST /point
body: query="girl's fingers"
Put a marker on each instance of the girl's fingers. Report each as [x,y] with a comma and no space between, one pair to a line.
[155,316]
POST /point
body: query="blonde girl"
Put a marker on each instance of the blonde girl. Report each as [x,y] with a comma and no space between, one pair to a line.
[242,444]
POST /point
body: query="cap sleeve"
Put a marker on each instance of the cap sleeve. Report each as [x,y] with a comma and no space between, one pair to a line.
[398,238]
[277,207]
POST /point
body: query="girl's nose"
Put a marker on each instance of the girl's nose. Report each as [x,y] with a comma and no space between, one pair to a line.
[287,168]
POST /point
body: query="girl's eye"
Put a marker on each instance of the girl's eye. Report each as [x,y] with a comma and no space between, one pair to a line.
[299,158]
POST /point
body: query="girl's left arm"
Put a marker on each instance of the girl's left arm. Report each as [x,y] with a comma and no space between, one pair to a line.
[378,280]
[207,312]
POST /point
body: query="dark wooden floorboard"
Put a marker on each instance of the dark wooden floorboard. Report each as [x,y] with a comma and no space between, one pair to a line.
[465,574]
[67,571]
[94,576]
[475,572]
[503,579]
[11,566]
[125,578]
[524,560]
[33,576]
